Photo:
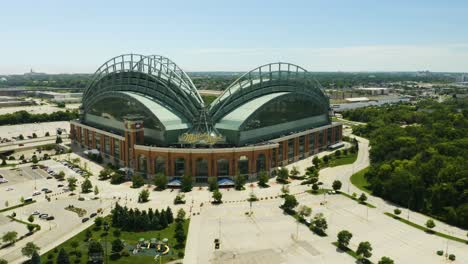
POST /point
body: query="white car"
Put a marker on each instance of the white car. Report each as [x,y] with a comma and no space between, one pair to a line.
[3,180]
[36,213]
[36,193]
[9,189]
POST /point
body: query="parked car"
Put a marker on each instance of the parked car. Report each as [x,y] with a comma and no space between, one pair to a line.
[44,189]
[92,215]
[9,189]
[48,191]
[84,220]
[43,216]
[36,193]
[49,177]
[49,218]
[60,185]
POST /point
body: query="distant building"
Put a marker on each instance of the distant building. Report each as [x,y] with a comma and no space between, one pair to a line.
[374,90]
[463,78]
[60,97]
[33,73]
[357,99]
[3,79]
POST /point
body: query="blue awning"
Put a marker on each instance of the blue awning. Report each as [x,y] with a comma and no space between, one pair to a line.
[175,183]
[225,182]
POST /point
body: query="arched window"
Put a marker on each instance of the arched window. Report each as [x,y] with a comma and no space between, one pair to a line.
[142,163]
[201,167]
[160,165]
[243,165]
[261,163]
[223,167]
[179,167]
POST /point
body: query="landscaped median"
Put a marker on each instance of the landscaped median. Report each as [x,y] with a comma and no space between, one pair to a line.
[358,180]
[16,206]
[358,200]
[426,229]
[349,251]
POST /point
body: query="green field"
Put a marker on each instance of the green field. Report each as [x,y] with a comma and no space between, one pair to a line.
[358,180]
[129,238]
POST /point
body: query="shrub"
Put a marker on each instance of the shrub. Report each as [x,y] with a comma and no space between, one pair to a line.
[397,211]
[452,257]
[440,252]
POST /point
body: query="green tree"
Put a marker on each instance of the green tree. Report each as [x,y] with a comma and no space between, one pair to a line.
[304,211]
[160,180]
[58,140]
[397,211]
[430,224]
[86,186]
[74,244]
[105,173]
[187,183]
[336,185]
[180,215]
[62,257]
[21,137]
[72,183]
[47,134]
[284,190]
[263,179]
[31,218]
[217,196]
[96,190]
[316,162]
[35,258]
[386,260]
[283,175]
[179,234]
[61,176]
[94,247]
[212,184]
[344,237]
[10,237]
[364,250]
[137,181]
[30,227]
[117,246]
[326,159]
[289,204]
[363,198]
[34,135]
[239,182]
[98,221]
[315,187]
[143,197]
[294,172]
[29,249]
[2,261]
[319,224]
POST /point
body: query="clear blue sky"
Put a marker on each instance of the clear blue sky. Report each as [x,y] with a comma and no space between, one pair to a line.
[379,35]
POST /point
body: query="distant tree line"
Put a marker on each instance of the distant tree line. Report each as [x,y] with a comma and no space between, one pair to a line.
[135,220]
[23,117]
[418,156]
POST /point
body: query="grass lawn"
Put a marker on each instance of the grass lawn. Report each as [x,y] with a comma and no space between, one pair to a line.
[358,180]
[342,160]
[423,228]
[130,238]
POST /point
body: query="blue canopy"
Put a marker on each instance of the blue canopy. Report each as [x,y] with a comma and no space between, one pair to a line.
[225,182]
[175,183]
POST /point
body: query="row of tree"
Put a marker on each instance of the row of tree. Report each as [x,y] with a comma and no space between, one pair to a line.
[23,117]
[136,220]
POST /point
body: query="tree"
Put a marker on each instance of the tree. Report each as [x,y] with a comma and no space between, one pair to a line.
[74,244]
[160,180]
[294,172]
[58,140]
[397,211]
[169,215]
[34,159]
[105,173]
[72,183]
[336,185]
[86,186]
[239,182]
[212,184]
[21,137]
[179,199]
[337,153]
[179,234]
[326,159]
[2,261]
[96,190]
[187,183]
[263,179]
[319,224]
[430,224]
[283,175]
[30,227]
[315,187]
[304,211]
[117,178]
[31,218]
[34,135]
[217,196]
[29,249]
[10,237]
[363,198]
[143,197]
[94,247]
[35,258]
[137,181]
[180,215]
[284,190]
[364,250]
[289,204]
[117,246]
[344,237]
[316,162]
[98,221]
[47,134]
[61,176]
[386,260]
[62,257]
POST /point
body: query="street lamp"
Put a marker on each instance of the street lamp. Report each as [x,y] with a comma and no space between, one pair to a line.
[106,229]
